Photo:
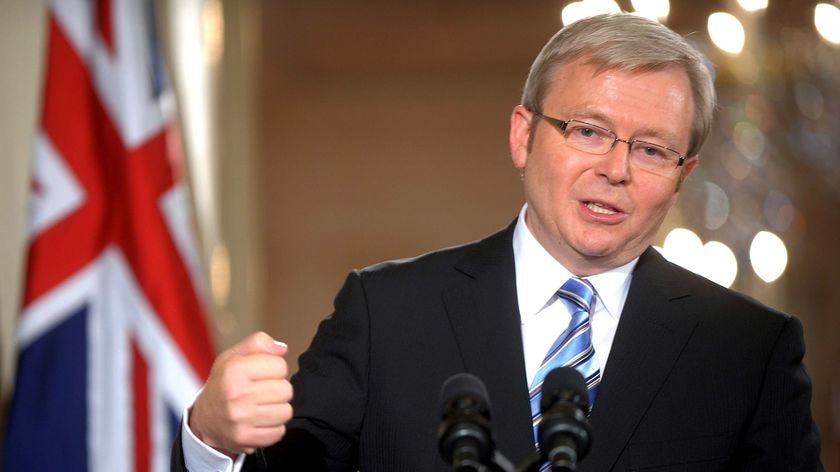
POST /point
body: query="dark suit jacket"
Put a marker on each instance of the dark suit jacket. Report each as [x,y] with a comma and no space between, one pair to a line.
[699,377]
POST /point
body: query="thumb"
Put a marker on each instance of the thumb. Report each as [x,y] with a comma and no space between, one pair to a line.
[260,343]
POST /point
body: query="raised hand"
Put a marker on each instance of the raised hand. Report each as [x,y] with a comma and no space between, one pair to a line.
[245,403]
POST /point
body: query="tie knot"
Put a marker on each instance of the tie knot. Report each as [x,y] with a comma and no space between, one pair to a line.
[579,291]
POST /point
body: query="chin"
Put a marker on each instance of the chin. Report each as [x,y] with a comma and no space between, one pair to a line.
[593,253]
[592,247]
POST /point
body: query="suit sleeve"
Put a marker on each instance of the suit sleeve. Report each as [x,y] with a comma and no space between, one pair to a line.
[330,392]
[782,434]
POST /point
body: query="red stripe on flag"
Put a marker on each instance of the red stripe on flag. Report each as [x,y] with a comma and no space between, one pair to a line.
[142,432]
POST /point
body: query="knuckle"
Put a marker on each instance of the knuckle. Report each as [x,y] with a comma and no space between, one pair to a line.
[261,335]
[281,431]
[288,391]
[287,412]
[241,436]
[236,415]
[229,391]
[272,436]
[282,367]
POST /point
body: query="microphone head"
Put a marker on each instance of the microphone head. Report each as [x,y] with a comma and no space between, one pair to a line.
[564,384]
[564,433]
[464,438]
[463,385]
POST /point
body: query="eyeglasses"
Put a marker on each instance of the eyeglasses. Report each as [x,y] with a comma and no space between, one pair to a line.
[596,140]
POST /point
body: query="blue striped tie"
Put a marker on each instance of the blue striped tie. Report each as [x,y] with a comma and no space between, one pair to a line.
[573,348]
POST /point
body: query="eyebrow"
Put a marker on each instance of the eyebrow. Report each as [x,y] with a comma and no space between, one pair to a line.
[588,113]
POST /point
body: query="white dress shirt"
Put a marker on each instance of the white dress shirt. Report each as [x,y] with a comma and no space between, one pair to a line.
[543,317]
[538,276]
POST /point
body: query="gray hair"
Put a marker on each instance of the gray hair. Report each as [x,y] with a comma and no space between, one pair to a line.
[627,42]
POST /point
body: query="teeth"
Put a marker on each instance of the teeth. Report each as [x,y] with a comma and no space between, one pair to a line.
[598,208]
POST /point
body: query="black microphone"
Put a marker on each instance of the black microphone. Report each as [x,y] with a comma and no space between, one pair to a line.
[564,433]
[464,438]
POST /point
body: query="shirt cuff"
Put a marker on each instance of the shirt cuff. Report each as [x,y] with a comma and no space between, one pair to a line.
[199,457]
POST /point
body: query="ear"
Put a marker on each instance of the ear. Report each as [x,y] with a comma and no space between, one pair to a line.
[520,132]
[688,166]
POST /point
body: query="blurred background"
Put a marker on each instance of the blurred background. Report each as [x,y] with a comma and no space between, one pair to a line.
[324,136]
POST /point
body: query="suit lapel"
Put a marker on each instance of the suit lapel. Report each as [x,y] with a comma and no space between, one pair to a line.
[650,336]
[484,315]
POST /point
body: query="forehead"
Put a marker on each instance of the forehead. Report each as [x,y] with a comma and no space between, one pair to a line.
[658,102]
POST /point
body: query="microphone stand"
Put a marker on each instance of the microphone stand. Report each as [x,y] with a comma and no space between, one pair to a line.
[500,463]
[530,464]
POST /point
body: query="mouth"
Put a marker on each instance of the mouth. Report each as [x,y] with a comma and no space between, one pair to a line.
[601,208]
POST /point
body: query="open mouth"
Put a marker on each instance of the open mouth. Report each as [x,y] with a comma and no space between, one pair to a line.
[600,208]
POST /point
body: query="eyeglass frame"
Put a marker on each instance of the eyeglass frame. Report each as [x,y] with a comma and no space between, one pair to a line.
[563,124]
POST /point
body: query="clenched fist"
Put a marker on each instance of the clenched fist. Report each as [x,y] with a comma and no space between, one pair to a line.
[245,403]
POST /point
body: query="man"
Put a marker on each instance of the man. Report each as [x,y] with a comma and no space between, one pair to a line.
[684,374]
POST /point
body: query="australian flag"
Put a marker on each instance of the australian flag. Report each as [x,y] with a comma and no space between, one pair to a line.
[112,339]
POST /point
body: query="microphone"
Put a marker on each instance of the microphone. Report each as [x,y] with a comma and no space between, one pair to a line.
[564,433]
[464,438]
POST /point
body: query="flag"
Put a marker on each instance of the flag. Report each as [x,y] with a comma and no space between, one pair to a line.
[112,340]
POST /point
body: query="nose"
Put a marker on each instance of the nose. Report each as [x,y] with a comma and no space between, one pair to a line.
[615,165]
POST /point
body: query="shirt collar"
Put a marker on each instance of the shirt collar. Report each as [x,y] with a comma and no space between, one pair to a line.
[539,275]
[612,287]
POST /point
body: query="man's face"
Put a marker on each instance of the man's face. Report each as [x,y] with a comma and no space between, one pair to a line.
[597,212]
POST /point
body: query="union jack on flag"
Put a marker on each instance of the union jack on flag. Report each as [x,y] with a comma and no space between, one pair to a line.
[112,339]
